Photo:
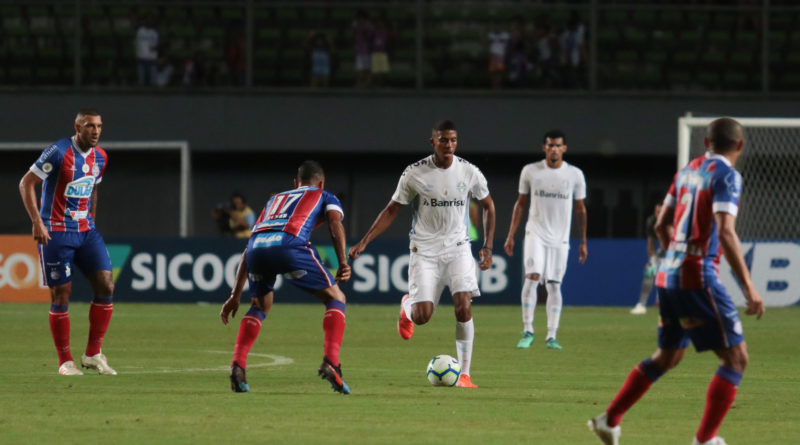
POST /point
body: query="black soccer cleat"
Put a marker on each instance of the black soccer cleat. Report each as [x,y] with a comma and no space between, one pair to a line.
[333,374]
[238,379]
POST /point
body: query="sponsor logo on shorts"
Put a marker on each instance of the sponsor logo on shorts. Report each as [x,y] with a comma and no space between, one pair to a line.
[267,240]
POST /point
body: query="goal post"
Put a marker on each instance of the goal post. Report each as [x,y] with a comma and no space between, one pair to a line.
[770,169]
[185,168]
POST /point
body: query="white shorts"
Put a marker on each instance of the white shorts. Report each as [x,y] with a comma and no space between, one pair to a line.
[550,263]
[428,275]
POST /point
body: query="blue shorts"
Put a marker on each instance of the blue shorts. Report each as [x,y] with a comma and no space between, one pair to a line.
[65,249]
[273,253]
[707,317]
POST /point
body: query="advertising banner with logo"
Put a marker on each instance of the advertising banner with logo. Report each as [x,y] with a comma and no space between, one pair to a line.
[199,269]
[20,270]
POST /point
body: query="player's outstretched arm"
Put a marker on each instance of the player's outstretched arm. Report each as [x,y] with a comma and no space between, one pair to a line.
[339,244]
[488,233]
[231,305]
[27,190]
[731,248]
[516,218]
[582,218]
[384,220]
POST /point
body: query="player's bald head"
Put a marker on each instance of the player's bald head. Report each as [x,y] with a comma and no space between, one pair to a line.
[310,172]
[724,134]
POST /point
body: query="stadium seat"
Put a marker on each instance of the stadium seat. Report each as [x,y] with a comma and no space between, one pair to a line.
[718,38]
[741,59]
[734,80]
[286,15]
[671,18]
[643,18]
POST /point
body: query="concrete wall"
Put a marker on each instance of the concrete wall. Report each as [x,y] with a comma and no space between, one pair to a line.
[368,122]
[253,143]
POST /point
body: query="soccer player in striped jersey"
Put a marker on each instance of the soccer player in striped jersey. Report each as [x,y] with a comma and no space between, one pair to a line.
[702,204]
[279,244]
[439,188]
[69,172]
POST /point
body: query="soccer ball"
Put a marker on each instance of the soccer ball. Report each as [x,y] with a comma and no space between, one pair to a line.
[443,370]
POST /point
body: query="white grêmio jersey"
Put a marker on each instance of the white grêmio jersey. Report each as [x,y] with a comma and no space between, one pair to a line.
[552,192]
[439,199]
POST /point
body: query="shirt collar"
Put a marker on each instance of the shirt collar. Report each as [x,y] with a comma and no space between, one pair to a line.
[725,160]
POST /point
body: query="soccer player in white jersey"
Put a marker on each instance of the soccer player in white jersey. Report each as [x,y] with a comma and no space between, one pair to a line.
[439,188]
[553,187]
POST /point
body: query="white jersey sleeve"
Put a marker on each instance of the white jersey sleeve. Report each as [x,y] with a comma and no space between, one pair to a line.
[404,194]
[579,190]
[524,183]
[480,187]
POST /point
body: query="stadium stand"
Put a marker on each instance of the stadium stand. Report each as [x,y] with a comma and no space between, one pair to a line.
[639,46]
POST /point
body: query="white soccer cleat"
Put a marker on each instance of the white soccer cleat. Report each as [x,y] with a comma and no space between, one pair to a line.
[68,368]
[639,309]
[599,426]
[714,441]
[99,363]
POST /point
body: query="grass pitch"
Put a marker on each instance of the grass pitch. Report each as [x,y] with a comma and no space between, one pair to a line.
[173,387]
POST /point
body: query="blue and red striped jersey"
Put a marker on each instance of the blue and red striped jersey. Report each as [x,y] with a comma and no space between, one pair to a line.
[69,177]
[707,185]
[297,212]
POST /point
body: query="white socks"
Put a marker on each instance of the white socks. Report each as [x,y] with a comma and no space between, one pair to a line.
[554,303]
[528,303]
[465,333]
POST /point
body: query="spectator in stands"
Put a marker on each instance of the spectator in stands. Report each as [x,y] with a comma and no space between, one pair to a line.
[362,37]
[381,38]
[572,42]
[164,71]
[320,46]
[518,63]
[547,51]
[146,45]
[498,43]
[236,56]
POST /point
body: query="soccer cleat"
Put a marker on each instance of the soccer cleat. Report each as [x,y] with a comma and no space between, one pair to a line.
[599,426]
[639,309]
[551,343]
[68,368]
[99,363]
[713,441]
[238,379]
[405,327]
[465,382]
[526,341]
[333,374]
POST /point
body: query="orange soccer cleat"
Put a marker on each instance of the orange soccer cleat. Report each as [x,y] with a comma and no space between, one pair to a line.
[465,382]
[405,327]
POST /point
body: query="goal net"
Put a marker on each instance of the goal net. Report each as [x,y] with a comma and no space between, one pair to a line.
[150,187]
[769,207]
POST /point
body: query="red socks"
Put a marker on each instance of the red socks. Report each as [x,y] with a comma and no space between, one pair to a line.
[333,324]
[248,332]
[719,398]
[59,327]
[99,316]
[637,383]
